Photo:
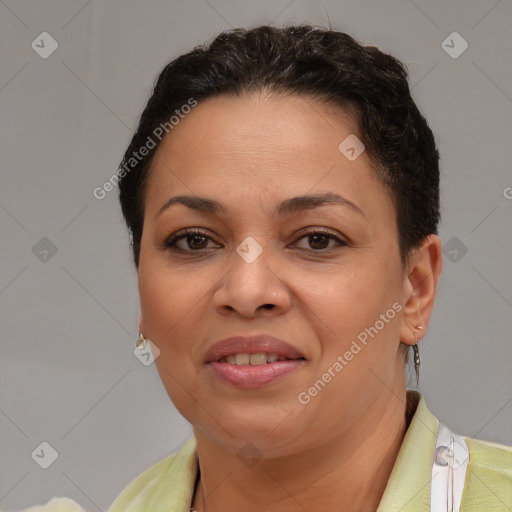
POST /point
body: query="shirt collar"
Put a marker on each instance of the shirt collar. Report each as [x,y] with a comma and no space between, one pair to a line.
[408,487]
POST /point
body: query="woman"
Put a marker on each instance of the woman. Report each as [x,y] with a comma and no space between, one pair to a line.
[282,194]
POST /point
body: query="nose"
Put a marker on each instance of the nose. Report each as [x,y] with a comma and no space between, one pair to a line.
[253,287]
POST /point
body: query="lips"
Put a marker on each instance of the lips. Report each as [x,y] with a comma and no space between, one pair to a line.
[253,361]
[254,344]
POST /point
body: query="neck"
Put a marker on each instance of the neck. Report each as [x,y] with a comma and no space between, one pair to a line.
[348,472]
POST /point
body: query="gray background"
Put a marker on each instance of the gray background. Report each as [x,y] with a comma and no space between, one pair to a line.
[69,320]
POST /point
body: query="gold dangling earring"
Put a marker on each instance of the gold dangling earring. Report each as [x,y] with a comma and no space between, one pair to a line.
[417,360]
[141,342]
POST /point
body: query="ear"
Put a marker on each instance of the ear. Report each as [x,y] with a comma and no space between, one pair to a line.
[420,284]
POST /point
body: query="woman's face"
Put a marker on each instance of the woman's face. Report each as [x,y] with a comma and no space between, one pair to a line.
[322,294]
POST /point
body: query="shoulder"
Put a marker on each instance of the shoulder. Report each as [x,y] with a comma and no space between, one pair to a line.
[171,479]
[59,504]
[143,486]
[494,456]
[489,473]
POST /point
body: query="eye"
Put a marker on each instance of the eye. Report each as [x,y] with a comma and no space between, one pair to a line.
[195,240]
[318,238]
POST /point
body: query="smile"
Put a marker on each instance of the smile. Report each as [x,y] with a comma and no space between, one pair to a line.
[244,359]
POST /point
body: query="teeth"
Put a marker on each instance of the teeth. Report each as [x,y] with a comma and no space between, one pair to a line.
[257,359]
[252,359]
[242,359]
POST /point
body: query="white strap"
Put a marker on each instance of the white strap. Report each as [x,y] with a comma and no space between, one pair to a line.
[451,458]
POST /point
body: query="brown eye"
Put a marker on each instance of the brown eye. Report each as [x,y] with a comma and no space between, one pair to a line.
[318,240]
[195,240]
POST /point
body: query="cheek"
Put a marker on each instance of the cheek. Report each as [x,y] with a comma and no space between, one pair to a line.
[170,306]
[173,304]
[350,305]
[167,296]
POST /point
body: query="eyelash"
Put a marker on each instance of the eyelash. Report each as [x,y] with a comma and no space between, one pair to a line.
[171,241]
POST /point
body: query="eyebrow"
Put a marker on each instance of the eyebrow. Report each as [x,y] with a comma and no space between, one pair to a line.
[286,207]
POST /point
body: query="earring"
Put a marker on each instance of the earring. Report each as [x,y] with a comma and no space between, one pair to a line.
[141,342]
[417,360]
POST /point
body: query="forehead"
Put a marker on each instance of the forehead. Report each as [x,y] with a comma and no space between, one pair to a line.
[258,125]
[264,147]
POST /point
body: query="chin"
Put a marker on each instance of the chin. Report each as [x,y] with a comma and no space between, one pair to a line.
[269,430]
